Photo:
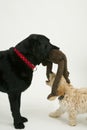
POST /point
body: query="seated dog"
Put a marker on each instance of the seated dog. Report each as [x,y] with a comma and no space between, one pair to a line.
[72,100]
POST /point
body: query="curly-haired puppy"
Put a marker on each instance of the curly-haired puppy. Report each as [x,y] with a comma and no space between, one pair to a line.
[16,70]
[72,100]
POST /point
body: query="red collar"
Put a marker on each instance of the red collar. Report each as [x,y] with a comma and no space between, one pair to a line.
[24,59]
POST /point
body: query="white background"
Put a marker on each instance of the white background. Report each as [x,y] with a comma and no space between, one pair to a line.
[64,22]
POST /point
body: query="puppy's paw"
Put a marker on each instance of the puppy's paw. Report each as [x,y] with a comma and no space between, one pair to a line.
[53,115]
[48,82]
[68,80]
[72,123]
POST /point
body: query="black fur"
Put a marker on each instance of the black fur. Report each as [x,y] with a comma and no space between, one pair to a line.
[16,76]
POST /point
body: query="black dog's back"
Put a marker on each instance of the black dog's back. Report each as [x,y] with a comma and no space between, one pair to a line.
[10,79]
[3,66]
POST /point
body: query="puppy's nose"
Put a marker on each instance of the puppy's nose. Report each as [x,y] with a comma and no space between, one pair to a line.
[47,81]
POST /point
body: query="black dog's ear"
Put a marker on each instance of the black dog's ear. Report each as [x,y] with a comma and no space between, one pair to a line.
[26,46]
[23,46]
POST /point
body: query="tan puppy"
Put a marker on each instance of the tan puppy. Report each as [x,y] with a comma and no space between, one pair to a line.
[72,100]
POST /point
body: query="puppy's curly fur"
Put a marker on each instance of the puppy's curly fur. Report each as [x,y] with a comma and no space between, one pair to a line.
[74,100]
[58,57]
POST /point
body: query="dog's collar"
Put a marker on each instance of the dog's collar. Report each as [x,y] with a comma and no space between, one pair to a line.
[24,59]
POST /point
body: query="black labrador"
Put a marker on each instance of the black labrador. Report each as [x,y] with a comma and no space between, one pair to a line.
[16,70]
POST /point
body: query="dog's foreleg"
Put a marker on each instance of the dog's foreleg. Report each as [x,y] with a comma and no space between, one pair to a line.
[72,118]
[14,99]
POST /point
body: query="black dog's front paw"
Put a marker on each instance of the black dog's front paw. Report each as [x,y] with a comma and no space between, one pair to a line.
[19,125]
[23,119]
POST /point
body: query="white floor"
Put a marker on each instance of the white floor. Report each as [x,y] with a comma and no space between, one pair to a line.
[36,108]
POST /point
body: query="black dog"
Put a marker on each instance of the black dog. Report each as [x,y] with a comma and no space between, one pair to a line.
[16,70]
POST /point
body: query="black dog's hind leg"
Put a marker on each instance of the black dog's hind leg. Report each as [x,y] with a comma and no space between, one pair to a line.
[14,99]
